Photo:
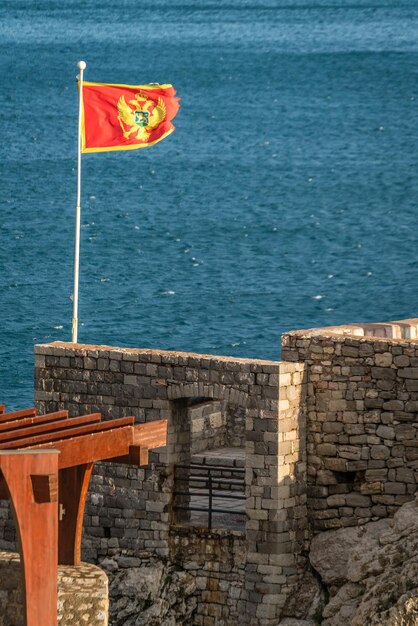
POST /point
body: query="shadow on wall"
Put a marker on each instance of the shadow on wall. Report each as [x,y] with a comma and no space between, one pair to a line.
[208,473]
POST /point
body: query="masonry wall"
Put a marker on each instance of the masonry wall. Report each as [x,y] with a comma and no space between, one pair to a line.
[330,436]
[362,405]
[208,422]
[130,509]
[217,561]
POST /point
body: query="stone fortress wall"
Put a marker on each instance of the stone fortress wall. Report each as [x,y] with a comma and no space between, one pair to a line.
[362,442]
[330,435]
[209,402]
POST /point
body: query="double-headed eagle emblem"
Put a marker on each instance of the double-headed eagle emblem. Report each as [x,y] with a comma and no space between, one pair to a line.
[140,116]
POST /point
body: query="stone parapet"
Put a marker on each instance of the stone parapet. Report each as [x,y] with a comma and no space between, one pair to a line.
[330,438]
[208,401]
[362,405]
[82,594]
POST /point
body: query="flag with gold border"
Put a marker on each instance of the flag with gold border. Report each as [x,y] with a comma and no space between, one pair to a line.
[126,117]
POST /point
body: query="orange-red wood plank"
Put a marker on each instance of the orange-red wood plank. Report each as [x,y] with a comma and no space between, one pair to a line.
[16,415]
[29,421]
[2,408]
[50,430]
[92,447]
[61,435]
[146,436]
[151,434]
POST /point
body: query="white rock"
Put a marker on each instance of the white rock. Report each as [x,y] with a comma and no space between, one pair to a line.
[371,571]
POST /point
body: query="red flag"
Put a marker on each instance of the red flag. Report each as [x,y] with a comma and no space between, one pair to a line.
[126,117]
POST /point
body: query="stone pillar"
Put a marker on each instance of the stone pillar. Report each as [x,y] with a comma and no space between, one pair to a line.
[179,452]
[276,502]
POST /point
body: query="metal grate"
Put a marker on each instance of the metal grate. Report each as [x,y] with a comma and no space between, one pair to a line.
[214,485]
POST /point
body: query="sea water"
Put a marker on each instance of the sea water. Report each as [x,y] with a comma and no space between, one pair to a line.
[286,197]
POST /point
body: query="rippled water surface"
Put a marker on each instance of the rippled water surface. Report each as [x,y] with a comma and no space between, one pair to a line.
[286,198]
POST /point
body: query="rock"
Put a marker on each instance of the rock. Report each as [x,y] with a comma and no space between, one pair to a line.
[290,621]
[307,601]
[371,571]
[153,594]
[109,565]
[330,552]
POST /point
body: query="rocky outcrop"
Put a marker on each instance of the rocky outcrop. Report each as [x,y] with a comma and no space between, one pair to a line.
[145,591]
[370,571]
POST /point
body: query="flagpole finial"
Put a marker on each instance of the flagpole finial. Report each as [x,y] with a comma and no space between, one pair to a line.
[81,65]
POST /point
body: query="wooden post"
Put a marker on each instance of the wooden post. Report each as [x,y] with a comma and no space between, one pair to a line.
[31,480]
[73,487]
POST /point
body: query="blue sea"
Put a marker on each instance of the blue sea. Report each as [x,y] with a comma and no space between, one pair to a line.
[286,197]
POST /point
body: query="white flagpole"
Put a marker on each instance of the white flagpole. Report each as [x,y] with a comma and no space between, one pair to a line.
[81,66]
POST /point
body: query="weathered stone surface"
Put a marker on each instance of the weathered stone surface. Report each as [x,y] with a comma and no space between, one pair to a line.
[305,603]
[290,621]
[155,594]
[371,572]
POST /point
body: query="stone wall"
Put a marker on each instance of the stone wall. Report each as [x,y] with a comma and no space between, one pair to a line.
[82,594]
[216,559]
[362,420]
[130,509]
[208,422]
[330,437]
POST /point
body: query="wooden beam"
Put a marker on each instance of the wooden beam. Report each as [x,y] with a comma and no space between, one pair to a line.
[29,421]
[56,438]
[91,447]
[73,487]
[115,442]
[2,408]
[146,437]
[137,456]
[60,427]
[15,415]
[151,434]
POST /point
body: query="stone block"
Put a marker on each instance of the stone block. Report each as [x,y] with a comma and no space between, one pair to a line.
[395,488]
[385,432]
[386,373]
[404,431]
[326,449]
[357,500]
[349,452]
[326,477]
[393,405]
[383,359]
[336,500]
[379,452]
[335,464]
[401,360]
[411,406]
[408,372]
[333,427]
[405,475]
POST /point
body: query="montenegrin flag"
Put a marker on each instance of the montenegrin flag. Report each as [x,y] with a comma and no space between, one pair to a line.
[126,117]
